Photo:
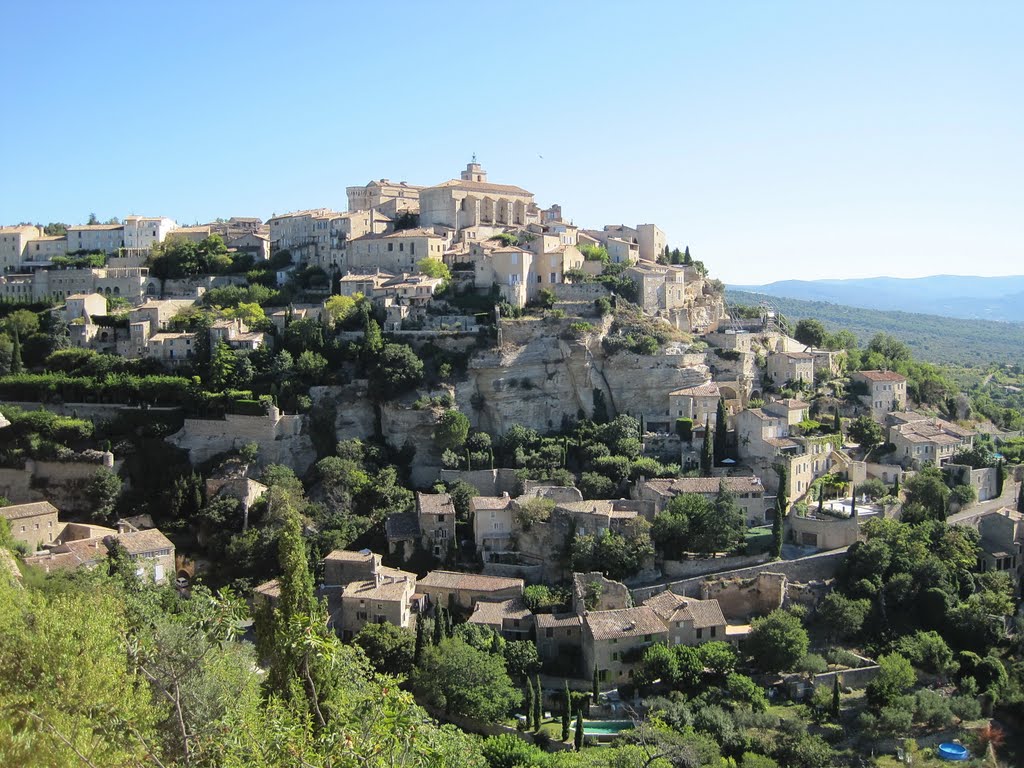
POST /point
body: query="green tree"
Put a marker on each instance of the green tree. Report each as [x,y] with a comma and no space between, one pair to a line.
[538,703]
[451,430]
[842,616]
[721,433]
[530,698]
[103,490]
[810,332]
[866,432]
[222,366]
[17,366]
[836,698]
[777,641]
[341,309]
[421,640]
[390,648]
[578,736]
[595,688]
[311,365]
[781,504]
[566,711]
[396,371]
[463,680]
[707,455]
[521,659]
[432,267]
[895,677]
[928,490]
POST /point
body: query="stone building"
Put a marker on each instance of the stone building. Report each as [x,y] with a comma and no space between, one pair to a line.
[689,621]
[32,524]
[13,244]
[791,367]
[104,238]
[509,618]
[472,200]
[385,598]
[886,391]
[492,523]
[748,490]
[560,640]
[919,439]
[389,197]
[450,589]
[699,403]
[614,642]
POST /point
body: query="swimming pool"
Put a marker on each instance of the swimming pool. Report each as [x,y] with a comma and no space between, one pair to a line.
[605,727]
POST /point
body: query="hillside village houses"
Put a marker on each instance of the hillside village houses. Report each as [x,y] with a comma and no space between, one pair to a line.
[886,391]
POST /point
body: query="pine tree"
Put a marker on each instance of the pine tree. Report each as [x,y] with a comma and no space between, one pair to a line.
[530,696]
[781,503]
[835,697]
[566,711]
[17,366]
[420,641]
[578,738]
[721,434]
[707,456]
[538,703]
[596,689]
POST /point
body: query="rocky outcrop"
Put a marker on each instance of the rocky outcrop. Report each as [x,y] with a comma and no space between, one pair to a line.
[282,438]
[538,378]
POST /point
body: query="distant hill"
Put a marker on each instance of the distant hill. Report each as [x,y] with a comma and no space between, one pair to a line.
[979,298]
[932,337]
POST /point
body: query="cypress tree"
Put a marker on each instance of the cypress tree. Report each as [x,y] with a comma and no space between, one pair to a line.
[853,501]
[16,364]
[438,625]
[1020,499]
[529,704]
[999,479]
[578,738]
[835,696]
[781,503]
[721,433]
[566,711]
[596,689]
[821,498]
[449,626]
[687,258]
[707,455]
[418,653]
[538,703]
[896,487]
[495,643]
[838,426]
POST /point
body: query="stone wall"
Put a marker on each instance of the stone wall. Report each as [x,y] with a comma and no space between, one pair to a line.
[856,679]
[579,291]
[16,486]
[281,438]
[822,532]
[489,482]
[818,567]
[97,412]
[613,595]
[531,574]
[683,569]
[741,598]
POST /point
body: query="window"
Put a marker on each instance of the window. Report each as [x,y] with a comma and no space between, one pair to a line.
[714,631]
[391,246]
[647,638]
[615,656]
[700,633]
[549,632]
[361,615]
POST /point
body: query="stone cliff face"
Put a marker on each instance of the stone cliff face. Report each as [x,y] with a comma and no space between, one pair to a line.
[537,378]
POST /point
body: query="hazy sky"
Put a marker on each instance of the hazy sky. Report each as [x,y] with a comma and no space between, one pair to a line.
[776,139]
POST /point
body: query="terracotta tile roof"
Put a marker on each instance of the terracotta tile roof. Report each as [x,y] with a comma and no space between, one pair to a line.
[435,504]
[705,485]
[708,389]
[672,607]
[392,585]
[347,555]
[144,542]
[96,227]
[473,582]
[619,508]
[18,511]
[881,375]
[481,186]
[627,622]
[494,613]
[792,404]
[796,355]
[781,442]
[489,502]
[556,620]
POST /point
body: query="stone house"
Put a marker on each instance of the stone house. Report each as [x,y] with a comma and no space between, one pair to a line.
[492,523]
[235,334]
[886,391]
[84,305]
[151,552]
[13,245]
[366,284]
[791,367]
[661,287]
[748,490]
[386,598]
[1002,543]
[689,621]
[463,590]
[560,639]
[106,238]
[343,566]
[79,546]
[699,403]
[792,410]
[171,349]
[760,434]
[32,524]
[431,526]
[471,200]
[396,251]
[822,532]
[918,439]
[509,618]
[614,642]
[384,195]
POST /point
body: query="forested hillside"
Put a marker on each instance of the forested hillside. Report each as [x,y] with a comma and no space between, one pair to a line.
[932,338]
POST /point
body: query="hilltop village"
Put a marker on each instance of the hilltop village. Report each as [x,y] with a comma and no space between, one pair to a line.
[468,433]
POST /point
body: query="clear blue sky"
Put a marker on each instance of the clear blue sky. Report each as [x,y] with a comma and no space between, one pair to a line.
[777,140]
